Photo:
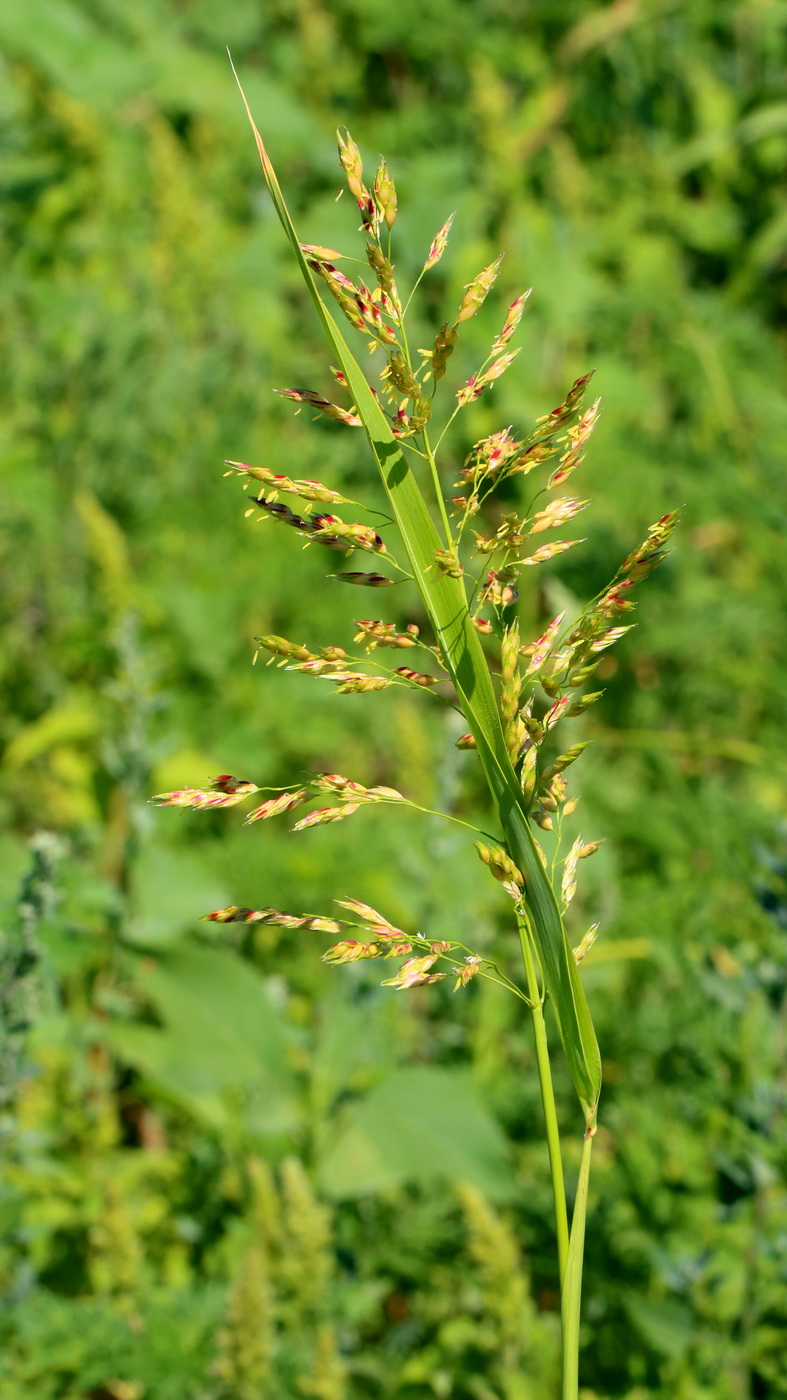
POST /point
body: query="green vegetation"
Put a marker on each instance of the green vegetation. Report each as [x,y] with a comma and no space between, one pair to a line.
[224,1164]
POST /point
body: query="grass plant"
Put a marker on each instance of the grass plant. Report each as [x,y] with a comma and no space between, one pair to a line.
[465,554]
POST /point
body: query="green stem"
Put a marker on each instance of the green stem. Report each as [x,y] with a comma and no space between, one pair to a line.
[572,1283]
[547,1096]
[438,489]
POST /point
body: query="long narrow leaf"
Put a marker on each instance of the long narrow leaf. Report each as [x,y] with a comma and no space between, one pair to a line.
[446,604]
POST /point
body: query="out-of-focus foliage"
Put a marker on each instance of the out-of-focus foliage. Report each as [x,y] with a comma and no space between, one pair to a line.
[229,1172]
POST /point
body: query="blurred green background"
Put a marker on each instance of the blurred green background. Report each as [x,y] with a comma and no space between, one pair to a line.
[231,1172]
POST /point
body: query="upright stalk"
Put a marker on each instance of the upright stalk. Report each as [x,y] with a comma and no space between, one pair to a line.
[572,1282]
[536,996]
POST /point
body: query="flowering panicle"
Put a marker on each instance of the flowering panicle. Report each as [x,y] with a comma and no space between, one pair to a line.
[541,683]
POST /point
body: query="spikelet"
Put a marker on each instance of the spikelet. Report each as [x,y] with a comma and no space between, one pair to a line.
[383,271]
[558,512]
[285,802]
[384,192]
[439,243]
[364,580]
[443,349]
[577,438]
[466,970]
[539,650]
[350,157]
[325,815]
[230,791]
[477,291]
[233,914]
[356,683]
[500,864]
[418,678]
[349,951]
[415,973]
[311,399]
[586,943]
[549,551]
[513,317]
[375,922]
[447,562]
[374,634]
[306,490]
[280,646]
[511,683]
